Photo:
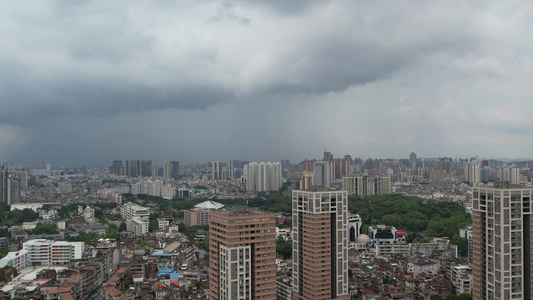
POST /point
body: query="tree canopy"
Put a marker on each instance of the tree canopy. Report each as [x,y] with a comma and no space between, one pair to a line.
[411,213]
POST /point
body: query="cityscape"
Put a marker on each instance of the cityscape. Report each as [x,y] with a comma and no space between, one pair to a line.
[292,150]
[326,228]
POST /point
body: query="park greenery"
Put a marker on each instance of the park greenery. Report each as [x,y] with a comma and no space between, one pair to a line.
[10,218]
[43,228]
[421,218]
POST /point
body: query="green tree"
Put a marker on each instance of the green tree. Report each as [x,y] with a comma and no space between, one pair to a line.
[464,296]
[113,217]
[364,229]
[112,232]
[7,273]
[462,244]
[286,224]
[153,225]
[89,238]
[46,207]
[45,228]
[284,248]
[410,213]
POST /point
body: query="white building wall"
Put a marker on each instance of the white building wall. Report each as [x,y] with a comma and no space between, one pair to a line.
[263,177]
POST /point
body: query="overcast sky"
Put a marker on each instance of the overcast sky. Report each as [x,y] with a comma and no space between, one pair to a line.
[85,82]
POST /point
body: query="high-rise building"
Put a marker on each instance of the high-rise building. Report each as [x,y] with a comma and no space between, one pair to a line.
[4,188]
[263,177]
[286,164]
[307,181]
[13,188]
[307,166]
[501,240]
[363,186]
[138,168]
[167,170]
[320,244]
[322,174]
[171,170]
[412,160]
[146,168]
[127,168]
[23,177]
[231,169]
[154,170]
[472,173]
[216,170]
[341,168]
[115,167]
[511,174]
[175,169]
[327,155]
[242,254]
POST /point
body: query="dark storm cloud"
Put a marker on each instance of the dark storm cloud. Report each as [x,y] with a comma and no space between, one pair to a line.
[385,75]
[98,97]
[94,48]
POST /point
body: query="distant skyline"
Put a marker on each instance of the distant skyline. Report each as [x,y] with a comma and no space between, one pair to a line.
[106,164]
[87,82]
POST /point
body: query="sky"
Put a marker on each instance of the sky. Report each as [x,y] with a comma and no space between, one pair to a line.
[87,82]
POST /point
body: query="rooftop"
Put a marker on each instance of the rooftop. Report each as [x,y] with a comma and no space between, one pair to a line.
[242,211]
[319,189]
[209,205]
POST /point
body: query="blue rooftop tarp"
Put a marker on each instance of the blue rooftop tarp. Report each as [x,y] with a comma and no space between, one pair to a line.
[164,271]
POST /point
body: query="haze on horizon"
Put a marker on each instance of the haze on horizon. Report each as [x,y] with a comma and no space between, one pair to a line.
[88,82]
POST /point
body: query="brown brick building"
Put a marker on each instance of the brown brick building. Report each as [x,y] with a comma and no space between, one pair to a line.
[242,254]
[320,244]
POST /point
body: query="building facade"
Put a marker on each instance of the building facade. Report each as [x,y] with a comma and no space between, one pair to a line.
[137,218]
[230,166]
[502,235]
[364,185]
[320,244]
[195,217]
[10,185]
[322,174]
[46,252]
[263,177]
[242,254]
[355,223]
[18,260]
[216,170]
[199,215]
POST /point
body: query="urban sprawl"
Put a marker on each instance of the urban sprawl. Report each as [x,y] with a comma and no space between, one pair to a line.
[328,228]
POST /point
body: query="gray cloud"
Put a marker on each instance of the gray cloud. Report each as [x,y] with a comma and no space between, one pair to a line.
[230,79]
